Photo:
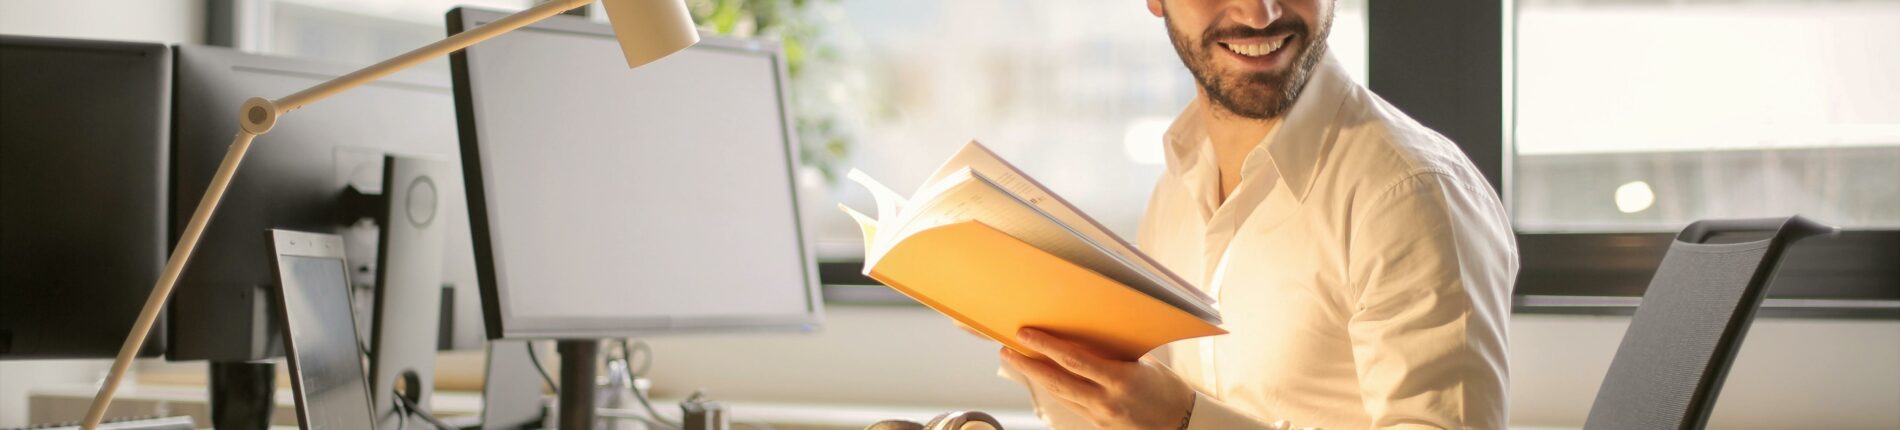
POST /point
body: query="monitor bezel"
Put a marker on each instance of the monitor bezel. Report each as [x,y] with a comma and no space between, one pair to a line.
[501,325]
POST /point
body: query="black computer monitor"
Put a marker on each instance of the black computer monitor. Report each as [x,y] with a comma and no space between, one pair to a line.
[83,130]
[608,202]
[293,178]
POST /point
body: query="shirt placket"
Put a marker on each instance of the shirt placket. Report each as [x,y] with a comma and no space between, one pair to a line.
[1257,179]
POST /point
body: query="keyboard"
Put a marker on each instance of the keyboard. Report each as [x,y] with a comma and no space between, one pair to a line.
[136,423]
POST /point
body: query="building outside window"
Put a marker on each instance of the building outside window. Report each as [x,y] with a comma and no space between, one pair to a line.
[1642,116]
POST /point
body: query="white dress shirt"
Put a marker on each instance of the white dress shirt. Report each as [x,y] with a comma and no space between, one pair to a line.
[1362,265]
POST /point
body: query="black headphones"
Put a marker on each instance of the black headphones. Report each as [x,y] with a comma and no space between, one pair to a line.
[959,420]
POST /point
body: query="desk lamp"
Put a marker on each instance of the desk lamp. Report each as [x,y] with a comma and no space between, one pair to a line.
[647,30]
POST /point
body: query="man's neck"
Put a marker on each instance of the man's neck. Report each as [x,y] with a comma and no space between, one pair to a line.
[1233,137]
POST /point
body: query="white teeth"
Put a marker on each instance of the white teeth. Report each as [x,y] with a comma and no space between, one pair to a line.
[1257,49]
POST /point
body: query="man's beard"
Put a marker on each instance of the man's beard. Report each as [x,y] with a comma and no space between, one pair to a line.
[1255,95]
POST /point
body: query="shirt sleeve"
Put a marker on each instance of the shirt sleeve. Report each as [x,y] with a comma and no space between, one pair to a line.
[1428,261]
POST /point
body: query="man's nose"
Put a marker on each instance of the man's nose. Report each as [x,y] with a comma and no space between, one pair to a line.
[1254,13]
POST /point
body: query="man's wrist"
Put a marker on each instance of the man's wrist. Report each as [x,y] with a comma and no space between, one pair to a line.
[1188,416]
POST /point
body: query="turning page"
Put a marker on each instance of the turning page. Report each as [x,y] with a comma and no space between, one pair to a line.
[977,158]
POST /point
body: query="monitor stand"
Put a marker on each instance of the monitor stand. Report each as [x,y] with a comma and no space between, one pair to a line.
[578,361]
[511,389]
[407,316]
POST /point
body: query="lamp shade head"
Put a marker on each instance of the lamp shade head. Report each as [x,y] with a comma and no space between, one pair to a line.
[649,30]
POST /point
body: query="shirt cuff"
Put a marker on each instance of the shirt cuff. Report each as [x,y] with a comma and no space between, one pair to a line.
[1211,414]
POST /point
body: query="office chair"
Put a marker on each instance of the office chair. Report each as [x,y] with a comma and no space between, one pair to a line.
[1690,324]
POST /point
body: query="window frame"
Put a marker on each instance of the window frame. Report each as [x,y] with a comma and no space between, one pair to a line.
[1450,66]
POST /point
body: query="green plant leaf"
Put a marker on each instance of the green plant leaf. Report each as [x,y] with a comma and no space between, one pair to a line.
[725,16]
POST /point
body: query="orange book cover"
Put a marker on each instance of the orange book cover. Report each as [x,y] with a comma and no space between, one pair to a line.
[996,284]
[984,244]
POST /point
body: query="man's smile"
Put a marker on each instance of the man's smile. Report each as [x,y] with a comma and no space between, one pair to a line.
[1258,53]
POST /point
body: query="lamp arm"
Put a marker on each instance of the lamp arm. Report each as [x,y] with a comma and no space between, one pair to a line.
[255,118]
[181,253]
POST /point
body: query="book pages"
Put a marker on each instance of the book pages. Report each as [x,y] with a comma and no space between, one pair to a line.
[980,159]
[967,196]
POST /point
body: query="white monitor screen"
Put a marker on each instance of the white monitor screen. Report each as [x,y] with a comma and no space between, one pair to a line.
[614,201]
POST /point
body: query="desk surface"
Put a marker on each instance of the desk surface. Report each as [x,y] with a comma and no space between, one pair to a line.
[452,404]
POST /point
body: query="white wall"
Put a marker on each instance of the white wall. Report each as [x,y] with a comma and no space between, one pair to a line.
[1791,373]
[163,21]
[18,377]
[874,355]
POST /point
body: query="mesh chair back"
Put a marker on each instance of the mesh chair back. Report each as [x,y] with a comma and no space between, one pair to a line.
[1679,345]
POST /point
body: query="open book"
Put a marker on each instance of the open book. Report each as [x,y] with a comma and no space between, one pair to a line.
[986,245]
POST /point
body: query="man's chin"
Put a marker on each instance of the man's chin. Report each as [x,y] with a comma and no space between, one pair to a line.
[1253,103]
[1264,80]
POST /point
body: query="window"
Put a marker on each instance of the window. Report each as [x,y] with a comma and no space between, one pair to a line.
[1611,124]
[1645,115]
[1633,118]
[1076,92]
[347,31]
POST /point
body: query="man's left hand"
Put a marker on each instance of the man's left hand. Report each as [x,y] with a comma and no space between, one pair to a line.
[1110,393]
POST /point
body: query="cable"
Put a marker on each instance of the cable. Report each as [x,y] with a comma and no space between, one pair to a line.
[628,349]
[362,344]
[416,411]
[536,359]
[626,353]
[402,413]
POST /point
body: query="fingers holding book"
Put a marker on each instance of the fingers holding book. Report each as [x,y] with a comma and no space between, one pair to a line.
[1111,393]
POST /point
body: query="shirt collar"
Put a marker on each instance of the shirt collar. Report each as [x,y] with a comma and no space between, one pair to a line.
[1294,147]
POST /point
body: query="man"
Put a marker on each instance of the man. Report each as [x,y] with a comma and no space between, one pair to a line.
[1362,265]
